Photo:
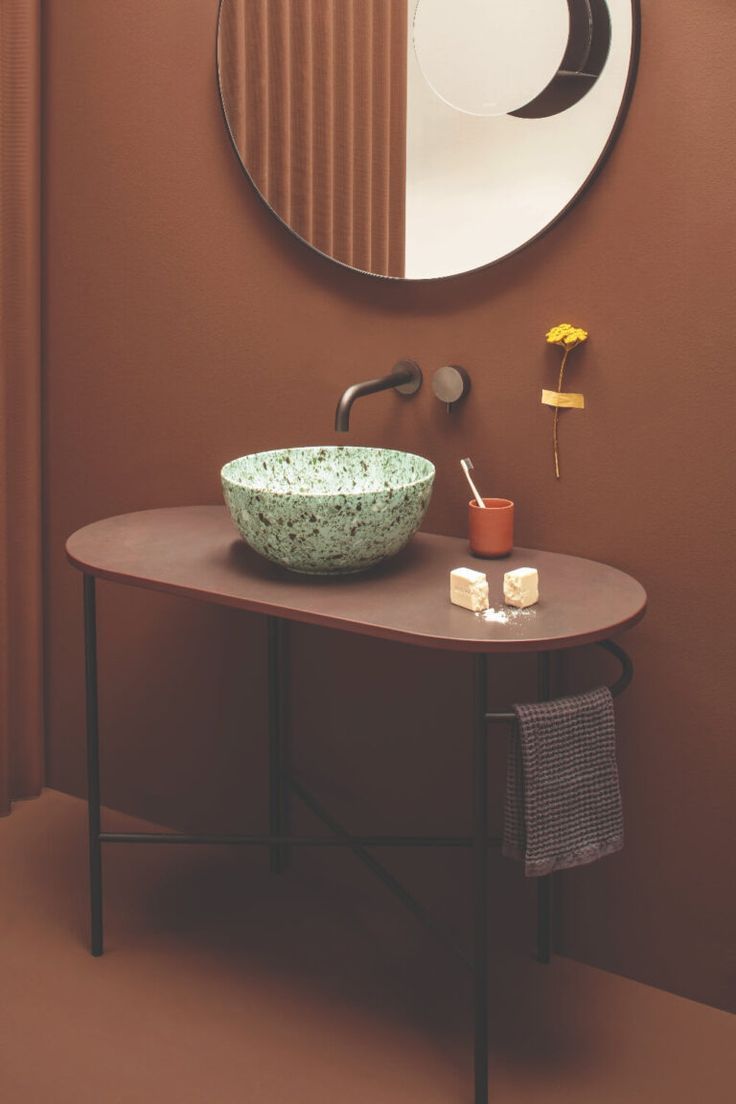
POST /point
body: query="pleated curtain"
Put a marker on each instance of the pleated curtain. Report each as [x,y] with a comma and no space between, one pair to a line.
[315,94]
[21,685]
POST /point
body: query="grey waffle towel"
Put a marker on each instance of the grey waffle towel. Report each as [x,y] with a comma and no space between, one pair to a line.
[563,802]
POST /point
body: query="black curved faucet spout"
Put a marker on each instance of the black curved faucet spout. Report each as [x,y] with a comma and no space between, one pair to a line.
[406,377]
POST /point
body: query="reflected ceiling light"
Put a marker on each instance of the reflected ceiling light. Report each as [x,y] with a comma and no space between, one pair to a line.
[529,58]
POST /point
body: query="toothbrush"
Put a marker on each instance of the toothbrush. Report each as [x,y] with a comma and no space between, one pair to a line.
[467,466]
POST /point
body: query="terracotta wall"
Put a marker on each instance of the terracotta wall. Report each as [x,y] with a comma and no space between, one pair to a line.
[185,327]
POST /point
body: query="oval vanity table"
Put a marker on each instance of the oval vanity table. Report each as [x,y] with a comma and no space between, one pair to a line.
[195,552]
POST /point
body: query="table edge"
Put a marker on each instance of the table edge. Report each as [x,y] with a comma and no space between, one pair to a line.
[449,644]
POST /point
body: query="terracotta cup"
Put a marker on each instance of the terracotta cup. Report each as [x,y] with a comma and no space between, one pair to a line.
[491,530]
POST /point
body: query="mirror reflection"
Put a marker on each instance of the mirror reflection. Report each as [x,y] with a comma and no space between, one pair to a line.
[423,138]
[510,51]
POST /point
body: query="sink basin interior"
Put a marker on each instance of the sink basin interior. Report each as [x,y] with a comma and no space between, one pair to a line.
[329,470]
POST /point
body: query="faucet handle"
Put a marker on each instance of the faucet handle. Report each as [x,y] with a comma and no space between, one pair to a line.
[414,380]
[450,384]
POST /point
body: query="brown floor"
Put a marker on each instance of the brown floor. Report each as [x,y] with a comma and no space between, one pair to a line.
[224,985]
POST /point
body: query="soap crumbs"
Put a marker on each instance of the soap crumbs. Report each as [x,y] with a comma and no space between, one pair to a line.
[504,616]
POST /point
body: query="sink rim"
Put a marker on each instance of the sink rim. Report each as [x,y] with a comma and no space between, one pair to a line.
[430,474]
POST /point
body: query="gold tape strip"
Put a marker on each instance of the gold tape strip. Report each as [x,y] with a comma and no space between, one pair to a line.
[566,400]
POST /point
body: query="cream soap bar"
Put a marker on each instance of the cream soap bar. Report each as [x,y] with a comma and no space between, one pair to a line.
[469,589]
[521,587]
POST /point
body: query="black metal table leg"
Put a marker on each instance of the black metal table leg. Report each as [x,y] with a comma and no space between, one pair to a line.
[480,879]
[278,810]
[93,766]
[544,884]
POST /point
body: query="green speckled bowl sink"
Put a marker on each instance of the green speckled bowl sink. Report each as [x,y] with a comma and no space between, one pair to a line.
[331,510]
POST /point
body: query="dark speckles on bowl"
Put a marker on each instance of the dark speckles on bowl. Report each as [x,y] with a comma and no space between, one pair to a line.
[331,510]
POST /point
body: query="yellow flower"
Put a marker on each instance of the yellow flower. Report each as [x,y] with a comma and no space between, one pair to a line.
[566,334]
[567,337]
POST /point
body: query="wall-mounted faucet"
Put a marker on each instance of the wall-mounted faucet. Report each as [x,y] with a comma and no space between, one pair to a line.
[406,377]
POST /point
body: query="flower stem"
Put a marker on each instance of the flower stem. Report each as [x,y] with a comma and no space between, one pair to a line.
[555,442]
[565,355]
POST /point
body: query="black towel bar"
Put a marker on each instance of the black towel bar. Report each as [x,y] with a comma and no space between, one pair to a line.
[618,687]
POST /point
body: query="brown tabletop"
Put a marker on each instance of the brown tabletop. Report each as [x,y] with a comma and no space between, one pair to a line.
[196,551]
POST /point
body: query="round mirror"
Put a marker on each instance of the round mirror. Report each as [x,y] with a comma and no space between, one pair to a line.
[419,139]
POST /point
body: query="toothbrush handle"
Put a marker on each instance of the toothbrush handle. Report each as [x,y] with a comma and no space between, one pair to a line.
[474,489]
